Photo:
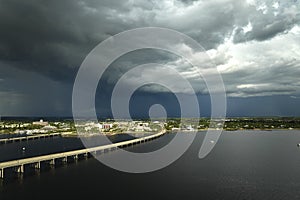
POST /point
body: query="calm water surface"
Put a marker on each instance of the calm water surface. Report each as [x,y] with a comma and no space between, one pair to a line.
[243,165]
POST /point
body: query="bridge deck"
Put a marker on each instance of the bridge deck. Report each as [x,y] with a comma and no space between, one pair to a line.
[38,159]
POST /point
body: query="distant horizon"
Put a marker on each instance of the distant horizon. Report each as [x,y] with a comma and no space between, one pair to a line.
[175,117]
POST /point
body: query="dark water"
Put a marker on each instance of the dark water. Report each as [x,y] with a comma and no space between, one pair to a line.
[43,146]
[243,165]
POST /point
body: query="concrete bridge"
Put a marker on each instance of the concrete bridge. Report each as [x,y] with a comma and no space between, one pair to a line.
[18,165]
[31,137]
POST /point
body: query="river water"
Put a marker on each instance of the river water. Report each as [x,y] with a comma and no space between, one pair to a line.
[243,165]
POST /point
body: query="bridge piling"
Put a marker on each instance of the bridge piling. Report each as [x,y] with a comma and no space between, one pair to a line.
[52,162]
[65,160]
[20,169]
[85,155]
[75,157]
[2,173]
[37,165]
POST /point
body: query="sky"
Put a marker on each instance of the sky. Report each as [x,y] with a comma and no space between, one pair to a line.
[254,45]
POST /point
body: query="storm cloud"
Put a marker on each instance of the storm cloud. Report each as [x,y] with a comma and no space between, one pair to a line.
[254,45]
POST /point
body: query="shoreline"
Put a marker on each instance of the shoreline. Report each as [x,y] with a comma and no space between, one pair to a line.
[74,134]
[229,130]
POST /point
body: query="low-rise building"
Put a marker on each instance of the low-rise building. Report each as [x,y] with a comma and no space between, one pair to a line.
[41,123]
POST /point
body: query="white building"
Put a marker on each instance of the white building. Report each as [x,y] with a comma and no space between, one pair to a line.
[41,123]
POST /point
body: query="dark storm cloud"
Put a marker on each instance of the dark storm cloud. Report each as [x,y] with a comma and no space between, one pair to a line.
[271,18]
[51,37]
[277,105]
[42,44]
[27,93]
[262,32]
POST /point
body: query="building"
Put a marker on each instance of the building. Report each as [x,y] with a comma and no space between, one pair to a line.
[41,123]
[49,128]
[107,126]
[142,126]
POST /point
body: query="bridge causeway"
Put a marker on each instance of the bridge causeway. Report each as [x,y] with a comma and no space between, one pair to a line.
[31,137]
[35,162]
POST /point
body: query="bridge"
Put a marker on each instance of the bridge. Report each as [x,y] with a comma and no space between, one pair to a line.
[18,165]
[24,138]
